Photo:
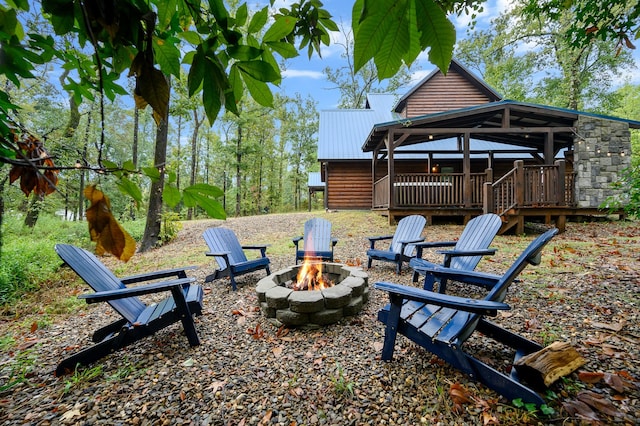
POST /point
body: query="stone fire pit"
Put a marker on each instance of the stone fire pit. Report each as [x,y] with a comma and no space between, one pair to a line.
[317,307]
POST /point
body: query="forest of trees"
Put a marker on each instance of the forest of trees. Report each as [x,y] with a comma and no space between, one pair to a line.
[259,149]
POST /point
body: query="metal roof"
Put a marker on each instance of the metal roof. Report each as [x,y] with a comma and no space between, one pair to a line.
[522,115]
[315,180]
[342,131]
[381,101]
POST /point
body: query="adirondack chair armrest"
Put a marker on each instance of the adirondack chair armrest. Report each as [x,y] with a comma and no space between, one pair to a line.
[262,248]
[224,254]
[432,244]
[450,254]
[460,253]
[477,306]
[373,240]
[480,279]
[177,272]
[334,241]
[297,240]
[405,243]
[121,293]
[256,247]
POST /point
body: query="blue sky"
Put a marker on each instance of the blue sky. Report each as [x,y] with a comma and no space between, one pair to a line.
[305,76]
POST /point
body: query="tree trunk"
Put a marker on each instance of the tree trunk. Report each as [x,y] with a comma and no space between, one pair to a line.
[238,169]
[194,156]
[154,213]
[2,182]
[33,211]
[134,153]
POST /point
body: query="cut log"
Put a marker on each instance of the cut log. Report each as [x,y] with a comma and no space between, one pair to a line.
[540,369]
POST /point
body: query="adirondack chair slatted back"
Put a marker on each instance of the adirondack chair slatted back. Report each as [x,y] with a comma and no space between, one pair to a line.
[317,235]
[99,278]
[224,240]
[477,235]
[530,256]
[409,228]
[453,326]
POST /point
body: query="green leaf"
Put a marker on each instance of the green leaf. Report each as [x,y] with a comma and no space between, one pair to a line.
[110,165]
[242,15]
[243,52]
[196,72]
[204,195]
[129,188]
[259,91]
[285,50]
[213,88]
[7,153]
[191,37]
[152,172]
[220,12]
[129,166]
[205,189]
[171,195]
[258,20]
[166,10]
[282,27]
[372,30]
[235,81]
[260,70]
[388,58]
[438,33]
[167,56]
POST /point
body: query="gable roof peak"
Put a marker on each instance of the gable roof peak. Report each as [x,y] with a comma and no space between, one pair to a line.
[460,69]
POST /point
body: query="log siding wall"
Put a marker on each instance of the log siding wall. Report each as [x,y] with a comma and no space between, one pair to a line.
[349,185]
[443,93]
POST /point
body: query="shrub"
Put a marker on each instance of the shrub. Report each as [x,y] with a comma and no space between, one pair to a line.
[629,199]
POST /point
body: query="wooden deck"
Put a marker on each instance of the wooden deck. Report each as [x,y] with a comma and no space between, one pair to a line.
[540,192]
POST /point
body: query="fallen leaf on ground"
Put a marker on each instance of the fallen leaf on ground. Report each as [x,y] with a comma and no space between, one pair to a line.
[599,403]
[277,351]
[614,381]
[590,377]
[581,410]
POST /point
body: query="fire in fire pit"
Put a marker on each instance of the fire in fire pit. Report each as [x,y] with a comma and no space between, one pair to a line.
[310,277]
[345,295]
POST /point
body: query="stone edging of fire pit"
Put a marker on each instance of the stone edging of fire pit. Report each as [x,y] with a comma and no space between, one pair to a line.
[313,308]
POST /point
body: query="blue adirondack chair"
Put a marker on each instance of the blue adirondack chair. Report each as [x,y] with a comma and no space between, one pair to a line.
[317,241]
[442,323]
[402,246]
[466,253]
[229,254]
[138,319]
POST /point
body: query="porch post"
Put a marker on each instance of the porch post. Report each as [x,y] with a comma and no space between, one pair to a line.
[548,148]
[374,160]
[466,168]
[391,171]
[560,179]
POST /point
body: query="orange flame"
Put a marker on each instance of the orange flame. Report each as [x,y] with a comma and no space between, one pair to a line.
[310,277]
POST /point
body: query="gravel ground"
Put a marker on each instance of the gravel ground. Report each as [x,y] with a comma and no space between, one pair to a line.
[248,371]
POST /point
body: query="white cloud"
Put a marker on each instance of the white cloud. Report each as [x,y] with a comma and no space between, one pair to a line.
[417,76]
[491,10]
[316,75]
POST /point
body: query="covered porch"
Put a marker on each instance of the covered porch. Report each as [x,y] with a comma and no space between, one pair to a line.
[536,180]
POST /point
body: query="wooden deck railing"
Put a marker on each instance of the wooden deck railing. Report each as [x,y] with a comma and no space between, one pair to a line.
[530,186]
[429,190]
[381,193]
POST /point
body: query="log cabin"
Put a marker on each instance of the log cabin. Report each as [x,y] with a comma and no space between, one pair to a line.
[452,148]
